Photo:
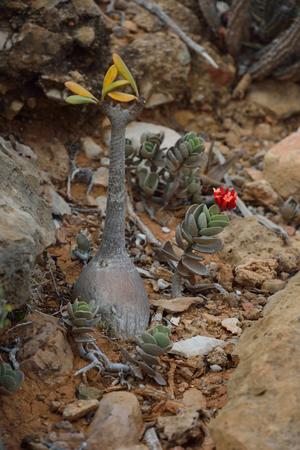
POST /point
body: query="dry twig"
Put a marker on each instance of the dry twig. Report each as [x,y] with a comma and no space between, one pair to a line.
[155,9]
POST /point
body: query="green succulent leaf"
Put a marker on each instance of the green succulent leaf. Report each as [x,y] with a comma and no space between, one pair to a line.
[211,231]
[162,339]
[148,338]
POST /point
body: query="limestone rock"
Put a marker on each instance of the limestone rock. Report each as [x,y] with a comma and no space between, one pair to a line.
[246,237]
[100,177]
[260,191]
[254,271]
[169,62]
[263,412]
[26,225]
[232,324]
[91,149]
[181,428]
[46,352]
[283,100]
[79,408]
[117,422]
[195,346]
[58,205]
[282,166]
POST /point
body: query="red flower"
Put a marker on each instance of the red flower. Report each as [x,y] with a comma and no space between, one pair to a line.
[225,198]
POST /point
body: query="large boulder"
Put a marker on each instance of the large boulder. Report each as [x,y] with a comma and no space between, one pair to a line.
[282,166]
[45,42]
[26,225]
[263,412]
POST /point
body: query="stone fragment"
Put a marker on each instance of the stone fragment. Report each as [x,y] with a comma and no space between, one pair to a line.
[218,357]
[85,36]
[262,412]
[86,392]
[246,237]
[79,408]
[26,226]
[272,286]
[282,99]
[232,324]
[117,422]
[262,192]
[100,177]
[46,353]
[57,203]
[181,428]
[194,399]
[254,271]
[91,149]
[135,130]
[176,305]
[282,166]
[195,346]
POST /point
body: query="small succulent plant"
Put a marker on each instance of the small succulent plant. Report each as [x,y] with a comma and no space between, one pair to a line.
[81,317]
[196,235]
[10,379]
[82,251]
[150,346]
[5,308]
[167,175]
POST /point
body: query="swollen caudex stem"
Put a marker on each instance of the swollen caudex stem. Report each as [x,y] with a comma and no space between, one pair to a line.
[110,279]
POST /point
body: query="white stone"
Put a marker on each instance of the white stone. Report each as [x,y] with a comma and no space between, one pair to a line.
[100,177]
[135,129]
[90,148]
[195,346]
[232,324]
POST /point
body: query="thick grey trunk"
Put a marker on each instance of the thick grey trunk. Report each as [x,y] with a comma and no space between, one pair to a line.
[113,239]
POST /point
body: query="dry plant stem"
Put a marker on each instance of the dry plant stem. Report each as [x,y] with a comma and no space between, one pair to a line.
[277,51]
[237,25]
[176,285]
[151,439]
[144,229]
[210,13]
[155,9]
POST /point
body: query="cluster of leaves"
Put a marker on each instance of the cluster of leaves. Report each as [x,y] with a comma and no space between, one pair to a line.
[10,379]
[5,308]
[81,317]
[82,250]
[167,175]
[150,346]
[118,76]
[196,234]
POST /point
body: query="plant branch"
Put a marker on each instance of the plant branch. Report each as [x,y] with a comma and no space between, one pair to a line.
[155,9]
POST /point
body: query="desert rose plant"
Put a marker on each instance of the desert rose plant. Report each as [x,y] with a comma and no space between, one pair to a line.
[111,279]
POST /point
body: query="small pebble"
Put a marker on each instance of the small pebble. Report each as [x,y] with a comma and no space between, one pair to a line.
[162,284]
[215,368]
[165,230]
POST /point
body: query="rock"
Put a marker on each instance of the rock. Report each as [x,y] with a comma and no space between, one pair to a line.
[85,36]
[262,192]
[215,368]
[91,149]
[283,100]
[117,422]
[26,226]
[181,428]
[135,130]
[246,237]
[272,286]
[46,353]
[162,53]
[100,177]
[218,357]
[52,158]
[263,131]
[101,203]
[262,411]
[87,7]
[176,305]
[86,392]
[254,271]
[195,346]
[79,408]
[232,324]
[194,399]
[251,312]
[58,205]
[282,166]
